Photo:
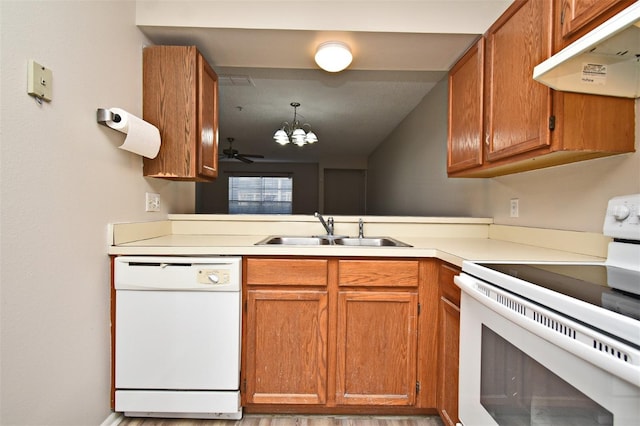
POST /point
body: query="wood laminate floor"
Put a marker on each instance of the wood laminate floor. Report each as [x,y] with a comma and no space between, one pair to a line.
[299,420]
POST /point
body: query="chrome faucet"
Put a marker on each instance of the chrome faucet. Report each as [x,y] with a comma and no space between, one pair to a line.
[328,227]
[360,228]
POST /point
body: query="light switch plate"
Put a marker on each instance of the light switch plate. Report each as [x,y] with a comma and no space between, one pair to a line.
[40,81]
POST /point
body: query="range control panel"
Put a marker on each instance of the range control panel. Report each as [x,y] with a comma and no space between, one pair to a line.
[623,217]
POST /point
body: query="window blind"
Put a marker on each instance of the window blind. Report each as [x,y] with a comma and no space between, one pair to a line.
[260,195]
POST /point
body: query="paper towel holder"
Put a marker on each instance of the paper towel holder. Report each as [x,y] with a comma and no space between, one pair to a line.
[104,114]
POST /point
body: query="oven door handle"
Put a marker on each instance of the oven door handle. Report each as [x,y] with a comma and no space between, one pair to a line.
[613,356]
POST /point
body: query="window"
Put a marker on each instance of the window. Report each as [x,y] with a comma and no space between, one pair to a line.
[260,195]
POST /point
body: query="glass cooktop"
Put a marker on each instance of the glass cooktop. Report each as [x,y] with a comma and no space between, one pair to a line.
[607,287]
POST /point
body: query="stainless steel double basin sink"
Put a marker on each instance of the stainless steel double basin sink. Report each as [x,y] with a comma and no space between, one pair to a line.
[325,240]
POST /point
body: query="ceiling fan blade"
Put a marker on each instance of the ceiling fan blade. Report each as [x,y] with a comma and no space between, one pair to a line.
[243,159]
[252,155]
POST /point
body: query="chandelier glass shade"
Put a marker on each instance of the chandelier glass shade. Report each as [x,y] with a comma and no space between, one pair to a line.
[295,132]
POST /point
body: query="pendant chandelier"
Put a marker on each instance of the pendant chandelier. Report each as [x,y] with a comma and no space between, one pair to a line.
[295,132]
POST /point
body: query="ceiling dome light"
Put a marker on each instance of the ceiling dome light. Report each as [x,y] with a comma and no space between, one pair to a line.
[333,56]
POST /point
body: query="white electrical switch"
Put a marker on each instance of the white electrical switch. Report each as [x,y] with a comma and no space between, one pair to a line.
[40,81]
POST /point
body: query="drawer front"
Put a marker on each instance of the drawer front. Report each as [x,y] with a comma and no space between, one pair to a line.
[448,289]
[312,272]
[378,273]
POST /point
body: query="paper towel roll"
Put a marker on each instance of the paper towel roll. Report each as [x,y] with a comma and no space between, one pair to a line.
[142,138]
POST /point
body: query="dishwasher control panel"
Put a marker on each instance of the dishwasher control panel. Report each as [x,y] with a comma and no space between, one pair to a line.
[213,276]
[158,273]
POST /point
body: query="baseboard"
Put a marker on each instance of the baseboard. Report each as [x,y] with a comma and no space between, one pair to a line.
[114,419]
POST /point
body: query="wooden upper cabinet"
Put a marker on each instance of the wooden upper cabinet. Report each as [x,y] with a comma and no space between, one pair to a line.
[517,107]
[466,91]
[180,97]
[577,17]
[526,125]
[207,120]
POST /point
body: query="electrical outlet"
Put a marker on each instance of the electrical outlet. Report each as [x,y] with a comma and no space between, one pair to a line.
[515,207]
[152,202]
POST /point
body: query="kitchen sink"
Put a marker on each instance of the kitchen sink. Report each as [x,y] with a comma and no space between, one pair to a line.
[333,240]
[371,242]
[295,241]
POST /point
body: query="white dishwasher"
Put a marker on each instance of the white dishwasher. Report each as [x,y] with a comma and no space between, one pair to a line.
[177,336]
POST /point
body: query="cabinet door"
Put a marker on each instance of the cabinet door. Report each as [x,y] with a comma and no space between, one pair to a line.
[449,359]
[518,109]
[584,15]
[180,95]
[376,348]
[169,103]
[207,120]
[286,272]
[448,343]
[378,273]
[465,110]
[286,347]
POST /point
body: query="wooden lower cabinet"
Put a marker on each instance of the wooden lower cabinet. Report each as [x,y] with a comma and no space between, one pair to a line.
[285,331]
[449,341]
[376,350]
[286,347]
[339,335]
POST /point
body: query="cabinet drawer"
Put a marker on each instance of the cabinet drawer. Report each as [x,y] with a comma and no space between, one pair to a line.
[378,273]
[448,289]
[287,272]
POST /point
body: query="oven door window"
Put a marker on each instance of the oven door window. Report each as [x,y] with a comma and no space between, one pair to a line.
[517,390]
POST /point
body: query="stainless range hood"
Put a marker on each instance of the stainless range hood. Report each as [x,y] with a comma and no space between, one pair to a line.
[605,61]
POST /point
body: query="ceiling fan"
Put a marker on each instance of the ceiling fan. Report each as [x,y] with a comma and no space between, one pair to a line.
[231,154]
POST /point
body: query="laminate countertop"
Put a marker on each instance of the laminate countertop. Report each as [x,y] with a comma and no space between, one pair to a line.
[449,239]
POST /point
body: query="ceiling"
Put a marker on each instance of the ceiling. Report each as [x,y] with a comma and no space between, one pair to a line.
[262,71]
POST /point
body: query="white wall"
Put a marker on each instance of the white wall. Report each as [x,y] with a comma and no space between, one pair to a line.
[572,196]
[410,16]
[63,180]
[407,175]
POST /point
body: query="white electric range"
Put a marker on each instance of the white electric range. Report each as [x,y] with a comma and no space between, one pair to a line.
[555,343]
